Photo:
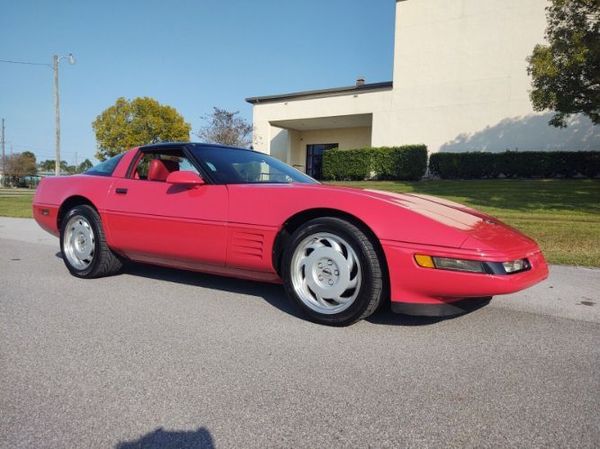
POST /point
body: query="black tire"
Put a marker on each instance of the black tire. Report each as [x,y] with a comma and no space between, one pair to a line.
[369,295]
[103,262]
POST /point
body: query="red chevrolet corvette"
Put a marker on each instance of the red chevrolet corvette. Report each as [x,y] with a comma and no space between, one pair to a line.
[340,252]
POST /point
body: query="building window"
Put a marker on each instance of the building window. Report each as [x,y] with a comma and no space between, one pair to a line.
[314,158]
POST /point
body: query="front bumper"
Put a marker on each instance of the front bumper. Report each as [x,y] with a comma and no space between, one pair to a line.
[433,292]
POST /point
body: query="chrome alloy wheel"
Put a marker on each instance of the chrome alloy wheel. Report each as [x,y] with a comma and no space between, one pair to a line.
[79,242]
[325,273]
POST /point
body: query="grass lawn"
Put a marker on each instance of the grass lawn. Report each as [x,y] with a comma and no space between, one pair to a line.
[16,202]
[563,216]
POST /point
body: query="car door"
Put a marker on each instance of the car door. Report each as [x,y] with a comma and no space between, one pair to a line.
[157,222]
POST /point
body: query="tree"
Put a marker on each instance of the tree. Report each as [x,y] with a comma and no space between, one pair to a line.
[48,165]
[20,165]
[85,165]
[225,128]
[141,121]
[566,72]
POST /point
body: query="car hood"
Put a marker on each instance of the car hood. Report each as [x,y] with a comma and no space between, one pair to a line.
[483,232]
[401,217]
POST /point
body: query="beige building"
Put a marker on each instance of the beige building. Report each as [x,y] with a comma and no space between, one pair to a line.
[460,83]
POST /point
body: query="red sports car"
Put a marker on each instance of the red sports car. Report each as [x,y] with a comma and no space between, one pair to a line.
[340,252]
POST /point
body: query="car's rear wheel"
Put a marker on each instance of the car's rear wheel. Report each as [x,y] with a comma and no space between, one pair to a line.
[83,244]
[332,271]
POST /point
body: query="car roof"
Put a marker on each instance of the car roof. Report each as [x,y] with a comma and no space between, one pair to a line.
[178,145]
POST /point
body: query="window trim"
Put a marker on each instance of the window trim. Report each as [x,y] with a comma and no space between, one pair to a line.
[141,152]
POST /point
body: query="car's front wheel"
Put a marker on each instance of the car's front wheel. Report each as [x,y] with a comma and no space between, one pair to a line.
[83,244]
[332,271]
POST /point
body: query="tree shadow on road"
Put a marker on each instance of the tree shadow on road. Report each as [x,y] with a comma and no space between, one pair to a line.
[162,439]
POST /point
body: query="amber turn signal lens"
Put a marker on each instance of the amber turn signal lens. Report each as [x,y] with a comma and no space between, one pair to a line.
[424,261]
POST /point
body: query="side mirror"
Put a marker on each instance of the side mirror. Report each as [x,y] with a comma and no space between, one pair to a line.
[185,177]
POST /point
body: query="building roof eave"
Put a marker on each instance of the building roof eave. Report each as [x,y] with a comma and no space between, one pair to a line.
[385,85]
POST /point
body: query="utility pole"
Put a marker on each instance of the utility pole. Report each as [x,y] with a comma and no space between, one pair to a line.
[56,116]
[55,60]
[3,154]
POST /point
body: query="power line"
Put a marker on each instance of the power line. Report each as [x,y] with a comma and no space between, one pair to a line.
[24,62]
[43,153]
[36,147]
[29,146]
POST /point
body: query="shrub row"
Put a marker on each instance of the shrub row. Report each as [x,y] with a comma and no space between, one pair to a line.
[346,165]
[407,162]
[515,164]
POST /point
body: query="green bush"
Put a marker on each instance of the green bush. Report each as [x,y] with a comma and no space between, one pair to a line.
[347,165]
[407,162]
[515,164]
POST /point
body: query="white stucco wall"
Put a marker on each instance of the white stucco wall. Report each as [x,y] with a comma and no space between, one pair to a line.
[460,78]
[460,83]
[277,141]
[346,138]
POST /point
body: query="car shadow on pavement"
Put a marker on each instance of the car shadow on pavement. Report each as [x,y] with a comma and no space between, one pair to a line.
[162,439]
[271,293]
[385,316]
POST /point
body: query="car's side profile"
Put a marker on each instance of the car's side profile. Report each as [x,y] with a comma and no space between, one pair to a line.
[339,252]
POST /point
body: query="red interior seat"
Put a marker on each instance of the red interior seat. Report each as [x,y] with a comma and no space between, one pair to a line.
[159,169]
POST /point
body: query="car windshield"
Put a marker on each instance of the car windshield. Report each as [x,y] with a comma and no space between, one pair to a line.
[238,166]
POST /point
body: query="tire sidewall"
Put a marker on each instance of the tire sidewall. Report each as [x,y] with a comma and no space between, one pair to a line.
[346,231]
[94,220]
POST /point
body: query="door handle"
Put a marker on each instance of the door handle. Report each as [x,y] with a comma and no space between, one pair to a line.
[121,191]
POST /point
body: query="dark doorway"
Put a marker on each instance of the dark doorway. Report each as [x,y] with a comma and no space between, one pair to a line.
[314,158]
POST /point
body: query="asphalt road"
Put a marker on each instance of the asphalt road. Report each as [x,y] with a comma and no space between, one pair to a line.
[157,358]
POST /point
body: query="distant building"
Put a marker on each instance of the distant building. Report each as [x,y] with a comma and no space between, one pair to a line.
[460,83]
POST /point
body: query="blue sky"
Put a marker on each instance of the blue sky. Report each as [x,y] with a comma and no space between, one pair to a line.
[192,55]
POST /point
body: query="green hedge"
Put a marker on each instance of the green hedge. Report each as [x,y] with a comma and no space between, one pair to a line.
[407,162]
[515,164]
[346,165]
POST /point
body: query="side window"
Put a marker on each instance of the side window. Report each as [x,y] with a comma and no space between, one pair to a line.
[156,166]
[249,171]
[105,168]
[141,171]
[185,164]
[256,171]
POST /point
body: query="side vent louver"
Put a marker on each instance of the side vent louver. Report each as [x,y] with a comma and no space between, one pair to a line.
[247,244]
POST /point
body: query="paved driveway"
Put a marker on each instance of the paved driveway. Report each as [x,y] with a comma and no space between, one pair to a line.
[162,358]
